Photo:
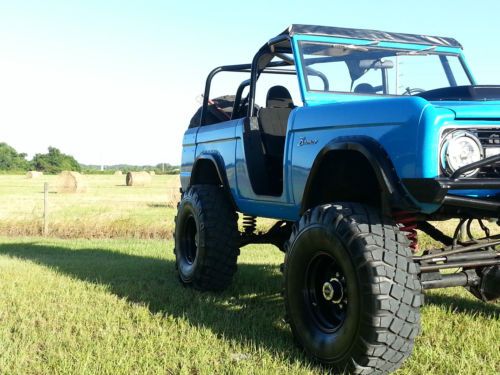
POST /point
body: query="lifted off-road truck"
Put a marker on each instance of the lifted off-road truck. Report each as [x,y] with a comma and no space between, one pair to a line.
[392,133]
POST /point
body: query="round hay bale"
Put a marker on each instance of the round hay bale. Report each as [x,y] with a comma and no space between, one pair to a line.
[152,173]
[118,173]
[71,182]
[34,174]
[138,179]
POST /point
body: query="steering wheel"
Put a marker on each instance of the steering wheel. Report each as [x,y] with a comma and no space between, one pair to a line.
[413,91]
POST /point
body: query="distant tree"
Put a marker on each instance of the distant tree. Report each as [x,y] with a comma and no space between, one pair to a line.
[11,160]
[55,161]
[166,168]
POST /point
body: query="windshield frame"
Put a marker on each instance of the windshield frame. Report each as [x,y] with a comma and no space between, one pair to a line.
[318,95]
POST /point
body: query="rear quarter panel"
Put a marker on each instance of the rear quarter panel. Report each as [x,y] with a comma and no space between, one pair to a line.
[188,156]
[219,141]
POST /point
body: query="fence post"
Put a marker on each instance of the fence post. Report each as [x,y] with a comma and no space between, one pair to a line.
[45,208]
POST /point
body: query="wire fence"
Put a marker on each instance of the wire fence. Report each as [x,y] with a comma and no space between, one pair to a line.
[106,208]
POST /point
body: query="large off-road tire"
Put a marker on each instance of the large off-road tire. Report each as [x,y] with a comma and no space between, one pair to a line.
[206,238]
[352,293]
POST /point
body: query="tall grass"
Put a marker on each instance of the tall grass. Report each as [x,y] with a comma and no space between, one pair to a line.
[108,209]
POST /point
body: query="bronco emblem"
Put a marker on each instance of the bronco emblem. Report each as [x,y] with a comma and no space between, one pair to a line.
[303,141]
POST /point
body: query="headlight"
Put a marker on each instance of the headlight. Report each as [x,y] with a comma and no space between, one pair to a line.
[460,148]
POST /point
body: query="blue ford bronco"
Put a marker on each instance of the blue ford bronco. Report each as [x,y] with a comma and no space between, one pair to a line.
[388,133]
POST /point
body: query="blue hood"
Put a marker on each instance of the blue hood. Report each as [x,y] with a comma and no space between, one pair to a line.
[472,110]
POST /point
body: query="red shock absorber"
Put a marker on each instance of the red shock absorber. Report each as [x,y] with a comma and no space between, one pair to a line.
[407,222]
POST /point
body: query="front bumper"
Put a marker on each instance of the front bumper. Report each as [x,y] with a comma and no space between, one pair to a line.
[440,190]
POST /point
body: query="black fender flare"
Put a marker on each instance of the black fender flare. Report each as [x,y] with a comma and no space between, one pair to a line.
[394,195]
[217,161]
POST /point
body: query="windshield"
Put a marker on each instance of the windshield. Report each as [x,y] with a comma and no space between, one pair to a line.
[383,71]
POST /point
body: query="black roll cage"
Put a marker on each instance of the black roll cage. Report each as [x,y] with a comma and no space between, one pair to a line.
[255,71]
[241,68]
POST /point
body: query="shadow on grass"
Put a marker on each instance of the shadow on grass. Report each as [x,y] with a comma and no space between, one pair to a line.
[250,311]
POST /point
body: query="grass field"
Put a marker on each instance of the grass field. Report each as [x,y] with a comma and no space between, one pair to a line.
[103,298]
[109,208]
[116,307]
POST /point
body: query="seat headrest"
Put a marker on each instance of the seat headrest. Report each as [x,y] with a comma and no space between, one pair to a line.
[279,97]
[364,88]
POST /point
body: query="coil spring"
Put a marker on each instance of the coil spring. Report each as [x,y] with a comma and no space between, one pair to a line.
[408,224]
[249,224]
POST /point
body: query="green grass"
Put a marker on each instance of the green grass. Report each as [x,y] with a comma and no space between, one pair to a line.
[116,307]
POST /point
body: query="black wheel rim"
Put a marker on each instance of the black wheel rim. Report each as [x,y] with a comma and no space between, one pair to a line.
[190,240]
[325,292]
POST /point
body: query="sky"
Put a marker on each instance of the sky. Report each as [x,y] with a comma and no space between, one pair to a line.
[113,82]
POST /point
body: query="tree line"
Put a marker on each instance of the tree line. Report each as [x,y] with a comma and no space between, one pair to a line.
[54,161]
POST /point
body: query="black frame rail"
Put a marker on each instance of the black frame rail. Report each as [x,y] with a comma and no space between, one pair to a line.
[468,257]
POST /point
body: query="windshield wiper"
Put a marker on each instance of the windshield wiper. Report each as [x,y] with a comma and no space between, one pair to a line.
[422,52]
[353,47]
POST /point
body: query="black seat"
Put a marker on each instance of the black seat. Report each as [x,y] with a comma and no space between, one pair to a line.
[273,120]
[264,139]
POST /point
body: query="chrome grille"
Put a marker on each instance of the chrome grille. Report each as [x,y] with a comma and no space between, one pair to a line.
[490,139]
